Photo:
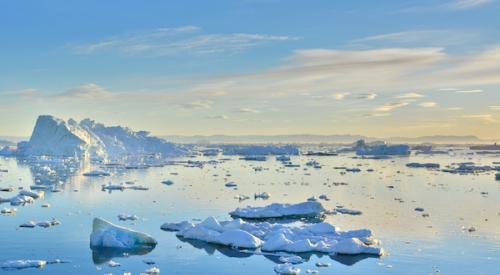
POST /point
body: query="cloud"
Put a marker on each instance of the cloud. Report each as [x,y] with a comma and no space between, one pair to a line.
[414,38]
[410,95]
[247,110]
[86,91]
[475,91]
[391,106]
[367,96]
[468,4]
[486,118]
[429,104]
[494,107]
[339,96]
[218,117]
[180,40]
[198,104]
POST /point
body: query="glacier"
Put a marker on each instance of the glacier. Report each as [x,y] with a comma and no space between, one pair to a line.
[56,137]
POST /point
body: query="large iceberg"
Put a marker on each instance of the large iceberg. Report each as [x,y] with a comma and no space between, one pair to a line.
[309,209]
[295,238]
[106,234]
[55,137]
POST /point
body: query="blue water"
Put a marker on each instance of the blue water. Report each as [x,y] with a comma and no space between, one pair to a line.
[415,244]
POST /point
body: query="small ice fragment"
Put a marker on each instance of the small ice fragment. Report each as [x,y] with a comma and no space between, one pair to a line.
[286,269]
[322,264]
[149,262]
[347,211]
[30,224]
[167,182]
[291,259]
[45,205]
[153,270]
[312,271]
[8,211]
[324,197]
[113,263]
[263,195]
[97,173]
[126,217]
[231,184]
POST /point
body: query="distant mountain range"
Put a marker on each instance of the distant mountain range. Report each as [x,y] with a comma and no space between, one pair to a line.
[318,139]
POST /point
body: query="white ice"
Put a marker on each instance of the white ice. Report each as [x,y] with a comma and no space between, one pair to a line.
[106,234]
[278,210]
[296,238]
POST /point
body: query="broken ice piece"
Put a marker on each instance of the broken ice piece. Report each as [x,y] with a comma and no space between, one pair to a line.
[286,269]
[106,234]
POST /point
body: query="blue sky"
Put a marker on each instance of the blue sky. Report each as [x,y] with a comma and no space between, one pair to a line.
[378,68]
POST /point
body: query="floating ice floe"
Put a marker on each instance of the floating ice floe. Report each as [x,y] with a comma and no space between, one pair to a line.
[8,211]
[295,238]
[127,217]
[20,264]
[46,224]
[422,165]
[263,195]
[167,182]
[347,211]
[35,195]
[231,184]
[286,269]
[106,234]
[97,173]
[150,271]
[309,209]
[241,197]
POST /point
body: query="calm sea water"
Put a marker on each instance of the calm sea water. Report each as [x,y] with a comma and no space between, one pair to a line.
[415,244]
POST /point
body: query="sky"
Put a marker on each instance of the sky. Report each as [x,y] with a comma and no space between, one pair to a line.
[254,67]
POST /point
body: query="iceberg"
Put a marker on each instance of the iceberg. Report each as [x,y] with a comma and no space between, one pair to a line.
[309,209]
[274,237]
[55,137]
[106,234]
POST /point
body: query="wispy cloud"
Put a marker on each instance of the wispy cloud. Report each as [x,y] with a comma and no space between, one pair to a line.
[247,110]
[428,104]
[198,104]
[486,118]
[391,106]
[410,95]
[180,40]
[86,91]
[494,107]
[474,91]
[468,4]
[218,117]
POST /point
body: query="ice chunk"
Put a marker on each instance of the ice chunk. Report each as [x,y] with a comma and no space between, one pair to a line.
[30,224]
[354,246]
[127,217]
[295,237]
[286,269]
[167,182]
[239,238]
[291,259]
[8,211]
[231,184]
[263,195]
[347,211]
[177,226]
[106,234]
[21,200]
[19,264]
[97,173]
[278,210]
[34,195]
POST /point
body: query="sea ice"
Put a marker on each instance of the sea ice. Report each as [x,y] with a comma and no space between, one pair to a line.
[127,217]
[307,209]
[286,269]
[19,264]
[97,173]
[263,195]
[296,238]
[106,234]
[347,211]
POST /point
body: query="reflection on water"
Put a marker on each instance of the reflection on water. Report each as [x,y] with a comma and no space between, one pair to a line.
[210,249]
[387,195]
[101,255]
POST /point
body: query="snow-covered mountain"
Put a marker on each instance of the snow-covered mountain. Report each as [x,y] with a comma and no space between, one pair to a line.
[55,137]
